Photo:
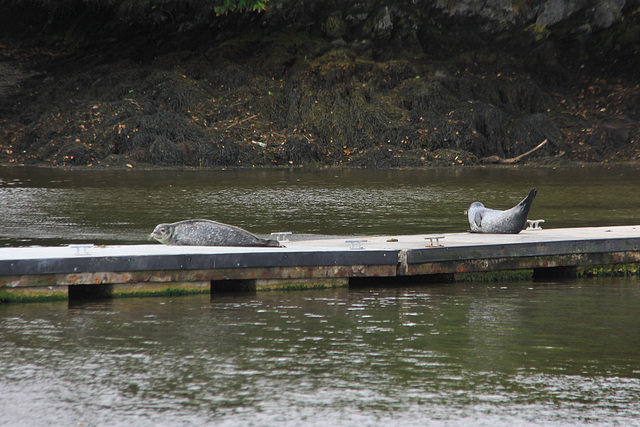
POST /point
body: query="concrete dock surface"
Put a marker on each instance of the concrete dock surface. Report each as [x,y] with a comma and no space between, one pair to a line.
[367,243]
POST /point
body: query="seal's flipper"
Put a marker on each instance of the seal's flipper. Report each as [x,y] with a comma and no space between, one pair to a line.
[478,219]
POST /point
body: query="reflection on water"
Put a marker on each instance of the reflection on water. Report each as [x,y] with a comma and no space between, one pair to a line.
[44,206]
[482,354]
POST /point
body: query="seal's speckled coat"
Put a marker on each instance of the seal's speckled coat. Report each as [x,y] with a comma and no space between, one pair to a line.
[204,232]
[511,221]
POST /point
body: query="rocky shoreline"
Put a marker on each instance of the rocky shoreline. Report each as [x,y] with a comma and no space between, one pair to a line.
[392,86]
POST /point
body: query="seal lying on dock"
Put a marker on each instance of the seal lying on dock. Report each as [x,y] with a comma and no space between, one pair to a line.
[203,232]
[511,221]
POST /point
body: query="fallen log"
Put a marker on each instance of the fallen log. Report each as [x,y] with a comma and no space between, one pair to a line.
[496,159]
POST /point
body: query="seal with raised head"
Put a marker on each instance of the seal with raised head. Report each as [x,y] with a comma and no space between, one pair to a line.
[510,221]
[204,232]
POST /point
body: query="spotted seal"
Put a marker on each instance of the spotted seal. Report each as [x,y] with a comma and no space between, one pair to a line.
[204,232]
[510,221]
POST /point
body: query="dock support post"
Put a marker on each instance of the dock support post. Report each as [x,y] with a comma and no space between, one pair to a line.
[78,292]
[562,272]
[233,285]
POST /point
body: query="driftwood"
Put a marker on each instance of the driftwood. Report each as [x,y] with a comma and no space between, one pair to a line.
[496,159]
[236,123]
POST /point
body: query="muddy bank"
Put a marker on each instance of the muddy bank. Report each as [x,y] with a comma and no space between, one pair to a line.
[385,87]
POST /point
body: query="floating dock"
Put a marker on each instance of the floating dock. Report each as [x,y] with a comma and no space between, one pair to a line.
[78,271]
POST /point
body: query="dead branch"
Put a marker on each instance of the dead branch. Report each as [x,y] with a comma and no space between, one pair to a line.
[241,121]
[496,159]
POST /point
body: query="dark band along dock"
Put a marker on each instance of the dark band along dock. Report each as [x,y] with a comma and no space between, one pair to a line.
[78,271]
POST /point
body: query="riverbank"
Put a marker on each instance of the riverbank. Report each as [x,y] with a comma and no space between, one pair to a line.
[308,95]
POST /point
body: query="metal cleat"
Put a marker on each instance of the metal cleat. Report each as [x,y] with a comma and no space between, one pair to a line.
[356,243]
[82,249]
[432,239]
[534,224]
[281,236]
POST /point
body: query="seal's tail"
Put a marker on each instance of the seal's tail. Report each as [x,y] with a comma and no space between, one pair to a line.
[528,201]
[525,205]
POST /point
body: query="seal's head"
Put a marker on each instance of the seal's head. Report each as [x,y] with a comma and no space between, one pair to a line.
[162,233]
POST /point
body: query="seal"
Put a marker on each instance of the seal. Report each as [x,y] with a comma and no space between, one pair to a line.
[204,232]
[510,221]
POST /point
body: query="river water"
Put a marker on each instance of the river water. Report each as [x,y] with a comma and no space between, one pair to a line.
[506,353]
[52,207]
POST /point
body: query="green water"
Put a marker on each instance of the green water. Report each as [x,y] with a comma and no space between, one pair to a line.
[53,207]
[493,354]
[526,353]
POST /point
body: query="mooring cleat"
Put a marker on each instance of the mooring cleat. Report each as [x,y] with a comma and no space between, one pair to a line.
[433,239]
[281,236]
[82,249]
[356,243]
[534,224]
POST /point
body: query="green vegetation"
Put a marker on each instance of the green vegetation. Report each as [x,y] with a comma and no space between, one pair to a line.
[616,270]
[240,5]
[539,32]
[85,18]
[296,285]
[7,297]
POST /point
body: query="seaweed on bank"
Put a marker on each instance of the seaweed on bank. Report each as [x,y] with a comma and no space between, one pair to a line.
[362,84]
